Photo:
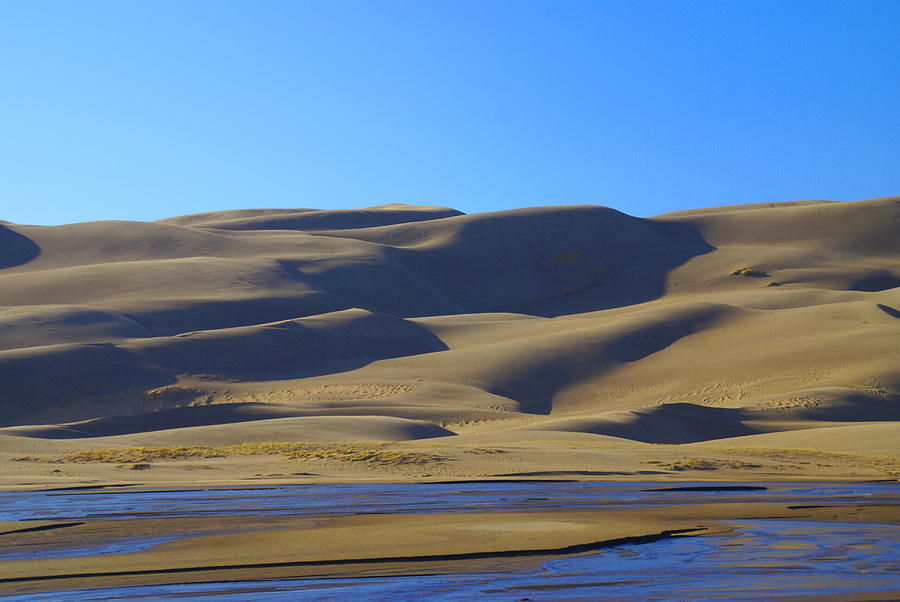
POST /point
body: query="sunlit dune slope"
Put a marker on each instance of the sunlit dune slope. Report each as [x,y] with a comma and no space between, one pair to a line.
[770,322]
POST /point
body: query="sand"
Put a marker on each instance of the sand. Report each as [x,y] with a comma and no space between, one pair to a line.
[567,339]
[402,343]
[309,547]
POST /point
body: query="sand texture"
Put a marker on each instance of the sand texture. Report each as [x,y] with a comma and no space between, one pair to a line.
[400,342]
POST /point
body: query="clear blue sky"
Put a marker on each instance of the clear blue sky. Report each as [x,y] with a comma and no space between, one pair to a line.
[140,110]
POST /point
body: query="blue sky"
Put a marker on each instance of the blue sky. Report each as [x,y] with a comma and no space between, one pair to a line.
[142,110]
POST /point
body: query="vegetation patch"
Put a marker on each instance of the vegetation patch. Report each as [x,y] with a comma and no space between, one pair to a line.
[701,464]
[175,393]
[875,387]
[749,272]
[216,377]
[797,457]
[377,454]
[805,401]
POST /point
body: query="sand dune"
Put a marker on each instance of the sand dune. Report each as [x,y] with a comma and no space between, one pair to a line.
[311,219]
[775,323]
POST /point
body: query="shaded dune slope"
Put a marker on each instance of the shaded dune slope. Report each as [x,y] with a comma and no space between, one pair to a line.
[729,322]
[15,249]
[312,219]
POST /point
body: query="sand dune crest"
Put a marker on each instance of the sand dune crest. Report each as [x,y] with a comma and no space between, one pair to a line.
[755,322]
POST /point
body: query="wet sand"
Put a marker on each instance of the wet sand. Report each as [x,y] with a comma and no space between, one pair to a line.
[41,555]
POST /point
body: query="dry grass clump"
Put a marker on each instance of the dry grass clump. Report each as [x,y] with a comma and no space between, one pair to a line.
[215,377]
[874,386]
[749,272]
[700,464]
[889,465]
[806,401]
[366,453]
[174,393]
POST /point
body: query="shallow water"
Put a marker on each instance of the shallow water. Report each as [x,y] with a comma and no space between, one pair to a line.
[120,546]
[765,560]
[338,500]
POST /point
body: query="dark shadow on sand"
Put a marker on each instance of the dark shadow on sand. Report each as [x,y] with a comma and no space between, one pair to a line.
[189,416]
[16,249]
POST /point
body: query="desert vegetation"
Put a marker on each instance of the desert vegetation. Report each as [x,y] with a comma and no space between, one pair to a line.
[701,464]
[749,272]
[372,454]
[797,458]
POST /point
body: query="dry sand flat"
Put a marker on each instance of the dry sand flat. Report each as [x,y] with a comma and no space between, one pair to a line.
[754,341]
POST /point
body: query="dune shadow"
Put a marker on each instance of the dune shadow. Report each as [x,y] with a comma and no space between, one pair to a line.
[675,423]
[47,379]
[544,264]
[210,314]
[173,418]
[888,310]
[126,375]
[186,417]
[535,385]
[280,369]
[292,349]
[16,249]
[671,424]
[347,219]
[627,272]
[843,404]
[875,281]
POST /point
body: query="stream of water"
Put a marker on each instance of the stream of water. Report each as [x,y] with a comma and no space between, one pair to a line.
[763,560]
